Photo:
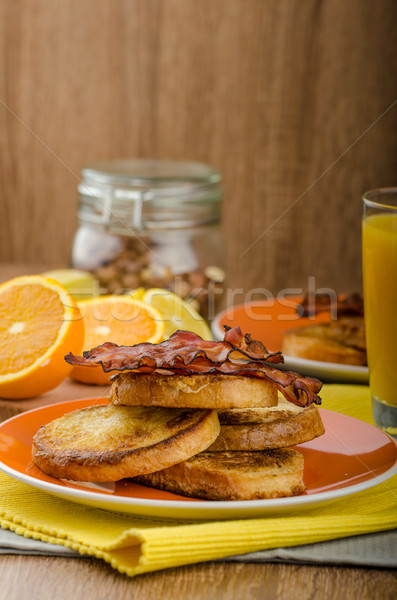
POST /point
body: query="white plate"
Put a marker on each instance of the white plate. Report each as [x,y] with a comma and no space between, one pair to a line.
[201,510]
[350,457]
[273,330]
[326,371]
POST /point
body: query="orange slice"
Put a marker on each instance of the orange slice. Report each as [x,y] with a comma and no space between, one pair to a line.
[119,319]
[39,323]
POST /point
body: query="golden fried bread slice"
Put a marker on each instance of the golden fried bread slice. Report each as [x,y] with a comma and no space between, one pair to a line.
[233,475]
[278,426]
[341,341]
[192,391]
[249,416]
[108,443]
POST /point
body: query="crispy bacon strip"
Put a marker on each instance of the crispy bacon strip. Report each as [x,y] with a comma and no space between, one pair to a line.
[346,305]
[181,346]
[187,353]
[296,388]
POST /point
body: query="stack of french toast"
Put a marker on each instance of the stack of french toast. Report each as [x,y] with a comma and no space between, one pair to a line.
[193,417]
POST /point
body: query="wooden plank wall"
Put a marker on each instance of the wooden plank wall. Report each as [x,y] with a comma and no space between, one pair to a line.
[293,100]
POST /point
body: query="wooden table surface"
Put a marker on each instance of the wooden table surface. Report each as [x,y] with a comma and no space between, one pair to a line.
[52,578]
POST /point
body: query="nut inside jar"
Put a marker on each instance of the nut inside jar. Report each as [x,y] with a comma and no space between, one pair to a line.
[160,263]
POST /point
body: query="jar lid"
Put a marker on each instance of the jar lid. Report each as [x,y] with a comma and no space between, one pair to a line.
[149,194]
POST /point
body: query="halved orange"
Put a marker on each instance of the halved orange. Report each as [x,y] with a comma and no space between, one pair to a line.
[119,319]
[39,323]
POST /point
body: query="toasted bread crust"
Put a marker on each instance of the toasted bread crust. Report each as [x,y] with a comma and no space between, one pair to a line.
[281,426]
[340,342]
[192,391]
[233,475]
[108,443]
[249,416]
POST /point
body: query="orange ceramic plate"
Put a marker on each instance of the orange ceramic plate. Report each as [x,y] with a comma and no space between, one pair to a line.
[350,457]
[267,321]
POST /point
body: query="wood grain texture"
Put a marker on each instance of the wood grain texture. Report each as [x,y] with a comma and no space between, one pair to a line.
[285,97]
[57,578]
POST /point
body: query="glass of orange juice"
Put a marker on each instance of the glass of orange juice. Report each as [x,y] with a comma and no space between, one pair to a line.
[379,251]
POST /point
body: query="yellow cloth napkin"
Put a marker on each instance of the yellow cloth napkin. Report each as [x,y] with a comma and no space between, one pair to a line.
[136,545]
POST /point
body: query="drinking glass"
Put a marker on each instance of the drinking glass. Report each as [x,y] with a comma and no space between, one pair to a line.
[379,253]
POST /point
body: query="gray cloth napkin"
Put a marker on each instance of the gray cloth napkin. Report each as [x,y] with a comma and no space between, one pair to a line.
[372,550]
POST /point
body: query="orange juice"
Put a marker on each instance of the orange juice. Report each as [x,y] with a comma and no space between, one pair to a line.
[380,303]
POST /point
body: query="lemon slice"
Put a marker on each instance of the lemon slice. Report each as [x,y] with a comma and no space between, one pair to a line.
[137,294]
[177,313]
[81,284]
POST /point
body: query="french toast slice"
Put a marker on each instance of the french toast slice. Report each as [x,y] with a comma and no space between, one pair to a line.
[278,426]
[108,443]
[233,475]
[341,341]
[215,391]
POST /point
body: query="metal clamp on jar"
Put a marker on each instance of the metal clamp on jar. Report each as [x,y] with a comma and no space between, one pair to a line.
[152,224]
